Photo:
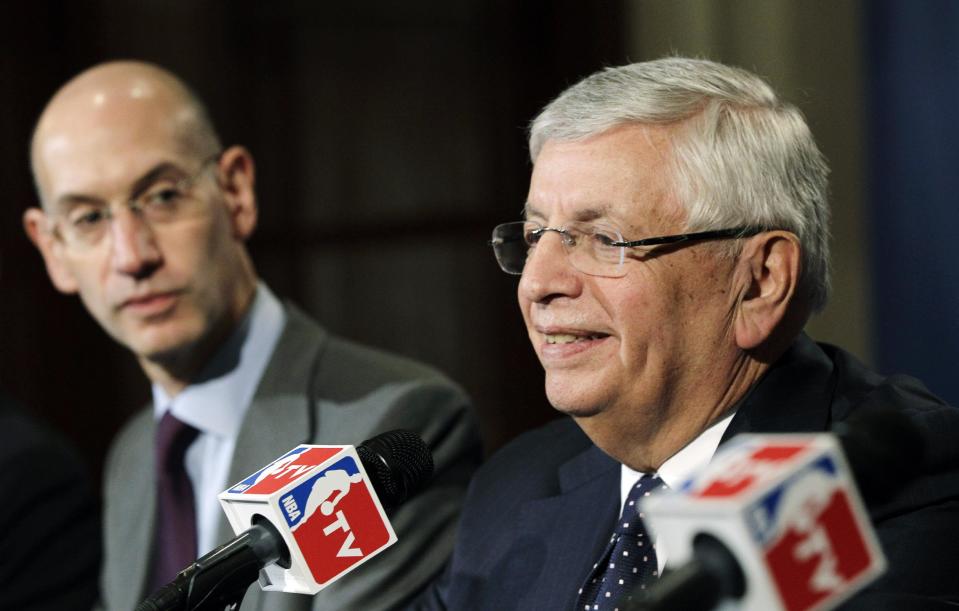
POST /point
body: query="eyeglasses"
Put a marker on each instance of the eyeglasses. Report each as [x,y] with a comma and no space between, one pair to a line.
[84,225]
[592,248]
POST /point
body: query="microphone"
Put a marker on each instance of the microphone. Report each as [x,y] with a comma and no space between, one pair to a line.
[775,522]
[303,521]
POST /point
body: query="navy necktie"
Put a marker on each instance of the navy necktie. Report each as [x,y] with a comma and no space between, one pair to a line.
[175,544]
[629,561]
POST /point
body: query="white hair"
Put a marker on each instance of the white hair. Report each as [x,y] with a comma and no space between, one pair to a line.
[742,156]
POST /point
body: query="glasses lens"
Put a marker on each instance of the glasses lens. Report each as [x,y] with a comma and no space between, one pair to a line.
[589,247]
[82,226]
[509,246]
[591,251]
[595,253]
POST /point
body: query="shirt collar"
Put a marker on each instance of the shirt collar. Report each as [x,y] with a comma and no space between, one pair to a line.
[217,402]
[681,465]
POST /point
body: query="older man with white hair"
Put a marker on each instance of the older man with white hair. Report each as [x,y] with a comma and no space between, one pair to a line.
[674,243]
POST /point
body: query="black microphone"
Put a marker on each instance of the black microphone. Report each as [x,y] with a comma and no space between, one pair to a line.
[398,464]
[884,450]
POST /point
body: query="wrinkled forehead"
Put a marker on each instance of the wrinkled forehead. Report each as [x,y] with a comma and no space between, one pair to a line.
[623,176]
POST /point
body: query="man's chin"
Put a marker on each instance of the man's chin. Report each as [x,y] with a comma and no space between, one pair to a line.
[161,346]
[571,398]
[573,407]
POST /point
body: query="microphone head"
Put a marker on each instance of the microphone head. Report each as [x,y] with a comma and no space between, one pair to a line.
[398,463]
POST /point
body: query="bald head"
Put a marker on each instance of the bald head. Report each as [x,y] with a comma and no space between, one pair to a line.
[113,105]
[144,216]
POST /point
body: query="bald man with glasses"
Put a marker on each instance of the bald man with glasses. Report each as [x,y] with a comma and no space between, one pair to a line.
[674,243]
[145,216]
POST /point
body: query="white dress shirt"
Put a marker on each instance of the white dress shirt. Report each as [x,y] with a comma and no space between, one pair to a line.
[678,468]
[217,403]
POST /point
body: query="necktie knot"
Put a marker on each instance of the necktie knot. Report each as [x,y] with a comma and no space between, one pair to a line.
[630,522]
[173,437]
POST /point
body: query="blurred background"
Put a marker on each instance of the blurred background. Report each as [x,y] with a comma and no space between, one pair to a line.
[389,138]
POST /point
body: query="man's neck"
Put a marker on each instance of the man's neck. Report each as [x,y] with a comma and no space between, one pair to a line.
[176,370]
[644,444]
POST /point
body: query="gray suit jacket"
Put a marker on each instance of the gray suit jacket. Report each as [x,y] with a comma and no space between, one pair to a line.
[323,390]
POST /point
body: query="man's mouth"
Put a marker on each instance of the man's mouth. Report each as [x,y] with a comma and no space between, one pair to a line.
[566,338]
[151,303]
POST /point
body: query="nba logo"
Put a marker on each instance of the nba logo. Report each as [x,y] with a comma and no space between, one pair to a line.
[334,519]
[295,463]
[320,500]
[814,546]
[749,470]
[787,509]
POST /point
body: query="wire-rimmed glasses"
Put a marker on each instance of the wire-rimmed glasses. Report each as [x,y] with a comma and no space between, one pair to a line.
[594,249]
[163,200]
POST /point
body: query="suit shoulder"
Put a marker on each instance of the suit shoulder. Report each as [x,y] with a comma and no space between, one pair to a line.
[346,362]
[857,384]
[556,441]
[530,462]
[27,447]
[381,365]
[21,434]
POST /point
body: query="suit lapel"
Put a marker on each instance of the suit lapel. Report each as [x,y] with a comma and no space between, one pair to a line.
[279,418]
[131,543]
[565,534]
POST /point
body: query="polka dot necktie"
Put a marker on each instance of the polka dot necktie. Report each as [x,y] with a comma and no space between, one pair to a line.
[629,561]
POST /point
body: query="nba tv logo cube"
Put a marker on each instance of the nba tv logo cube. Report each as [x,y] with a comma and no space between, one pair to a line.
[320,500]
[815,536]
[787,507]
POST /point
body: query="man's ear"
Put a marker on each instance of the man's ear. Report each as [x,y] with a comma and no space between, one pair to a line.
[770,263]
[37,226]
[237,177]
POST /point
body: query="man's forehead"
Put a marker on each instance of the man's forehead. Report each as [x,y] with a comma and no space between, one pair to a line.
[622,176]
[99,152]
[584,213]
[85,122]
[101,171]
[109,106]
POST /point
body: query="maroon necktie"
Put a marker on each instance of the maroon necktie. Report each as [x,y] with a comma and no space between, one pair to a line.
[175,543]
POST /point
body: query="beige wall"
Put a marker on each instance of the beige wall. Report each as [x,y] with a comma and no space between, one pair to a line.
[810,52]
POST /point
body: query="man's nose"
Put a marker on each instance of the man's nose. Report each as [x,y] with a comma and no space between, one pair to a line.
[548,273]
[134,250]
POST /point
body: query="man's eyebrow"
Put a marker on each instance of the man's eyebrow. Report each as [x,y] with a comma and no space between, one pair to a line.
[591,214]
[69,200]
[584,215]
[160,170]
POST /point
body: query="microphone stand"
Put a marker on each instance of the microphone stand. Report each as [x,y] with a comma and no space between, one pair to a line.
[712,576]
[219,580]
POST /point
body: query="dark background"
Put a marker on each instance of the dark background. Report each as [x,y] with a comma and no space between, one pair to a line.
[389,139]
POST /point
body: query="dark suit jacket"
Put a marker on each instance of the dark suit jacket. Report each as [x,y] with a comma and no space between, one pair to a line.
[539,513]
[317,389]
[49,521]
